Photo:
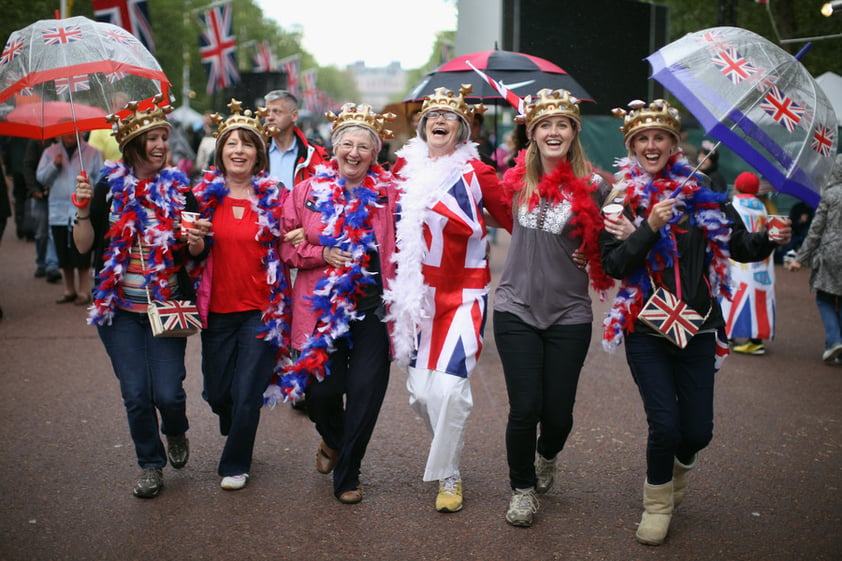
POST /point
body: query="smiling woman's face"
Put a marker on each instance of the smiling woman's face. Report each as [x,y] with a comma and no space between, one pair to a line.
[442,129]
[653,148]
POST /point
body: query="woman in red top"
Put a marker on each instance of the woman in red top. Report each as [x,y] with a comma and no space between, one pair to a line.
[243,293]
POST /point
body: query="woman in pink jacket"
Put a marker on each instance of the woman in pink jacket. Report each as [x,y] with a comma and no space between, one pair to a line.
[347,213]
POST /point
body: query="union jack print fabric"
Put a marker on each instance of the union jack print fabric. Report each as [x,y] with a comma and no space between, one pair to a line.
[782,108]
[456,277]
[218,47]
[176,318]
[823,140]
[61,35]
[671,317]
[131,15]
[735,67]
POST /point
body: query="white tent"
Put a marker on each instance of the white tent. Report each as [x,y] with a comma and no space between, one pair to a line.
[186,117]
[831,83]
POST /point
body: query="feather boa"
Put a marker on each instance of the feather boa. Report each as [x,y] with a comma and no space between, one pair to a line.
[555,186]
[130,198]
[347,225]
[427,180]
[700,205]
[266,202]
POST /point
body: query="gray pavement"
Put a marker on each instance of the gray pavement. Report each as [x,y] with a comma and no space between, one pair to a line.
[768,487]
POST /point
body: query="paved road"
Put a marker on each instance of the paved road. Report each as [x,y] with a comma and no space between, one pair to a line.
[768,488]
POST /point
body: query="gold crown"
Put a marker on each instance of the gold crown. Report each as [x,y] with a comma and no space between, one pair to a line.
[446,99]
[138,120]
[658,115]
[550,103]
[364,116]
[239,119]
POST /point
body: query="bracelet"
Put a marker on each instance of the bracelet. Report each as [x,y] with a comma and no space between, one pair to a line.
[78,218]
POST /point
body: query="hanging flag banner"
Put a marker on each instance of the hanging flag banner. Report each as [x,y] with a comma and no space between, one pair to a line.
[131,15]
[309,91]
[218,47]
[264,60]
[290,67]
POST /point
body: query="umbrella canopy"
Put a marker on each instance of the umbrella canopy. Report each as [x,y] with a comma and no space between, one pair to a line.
[758,100]
[31,118]
[521,73]
[77,61]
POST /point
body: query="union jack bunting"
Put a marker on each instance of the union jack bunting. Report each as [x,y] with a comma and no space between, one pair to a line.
[264,60]
[782,109]
[309,91]
[131,15]
[289,66]
[218,47]
[11,51]
[734,66]
[823,140]
[73,84]
[671,317]
[59,35]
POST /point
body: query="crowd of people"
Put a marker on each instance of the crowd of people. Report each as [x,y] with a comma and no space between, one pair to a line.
[313,270]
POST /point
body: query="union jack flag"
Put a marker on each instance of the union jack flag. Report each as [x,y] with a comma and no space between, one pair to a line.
[120,36]
[511,97]
[782,109]
[178,317]
[823,140]
[310,93]
[290,67]
[115,76]
[73,84]
[131,15]
[713,39]
[12,50]
[457,278]
[59,35]
[264,60]
[671,317]
[218,47]
[734,66]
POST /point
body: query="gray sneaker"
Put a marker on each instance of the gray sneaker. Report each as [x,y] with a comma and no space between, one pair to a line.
[545,473]
[178,450]
[522,506]
[150,483]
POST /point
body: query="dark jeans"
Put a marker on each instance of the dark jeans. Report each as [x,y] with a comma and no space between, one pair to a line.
[541,367]
[151,372]
[360,372]
[677,390]
[237,367]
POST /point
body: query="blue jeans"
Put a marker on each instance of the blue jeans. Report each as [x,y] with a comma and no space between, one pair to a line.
[45,249]
[677,390]
[541,367]
[830,310]
[237,367]
[360,373]
[151,372]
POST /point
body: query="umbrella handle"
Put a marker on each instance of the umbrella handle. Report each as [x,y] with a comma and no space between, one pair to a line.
[75,201]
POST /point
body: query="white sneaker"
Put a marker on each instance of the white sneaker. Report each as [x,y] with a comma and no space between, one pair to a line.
[830,354]
[522,506]
[545,473]
[235,482]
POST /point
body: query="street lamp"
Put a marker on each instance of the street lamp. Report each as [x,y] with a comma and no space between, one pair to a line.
[830,7]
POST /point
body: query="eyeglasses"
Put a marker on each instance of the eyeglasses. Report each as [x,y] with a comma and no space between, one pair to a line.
[447,115]
[349,146]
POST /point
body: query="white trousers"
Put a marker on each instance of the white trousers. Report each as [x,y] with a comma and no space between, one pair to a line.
[444,402]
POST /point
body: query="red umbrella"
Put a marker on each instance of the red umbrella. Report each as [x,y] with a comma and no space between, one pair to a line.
[53,118]
[521,73]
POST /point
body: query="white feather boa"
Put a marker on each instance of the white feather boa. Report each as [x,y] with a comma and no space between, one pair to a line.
[423,182]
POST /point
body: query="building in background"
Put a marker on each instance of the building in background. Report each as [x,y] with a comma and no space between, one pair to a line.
[379,86]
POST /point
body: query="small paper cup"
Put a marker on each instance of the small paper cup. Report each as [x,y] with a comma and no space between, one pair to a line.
[188,220]
[612,211]
[775,224]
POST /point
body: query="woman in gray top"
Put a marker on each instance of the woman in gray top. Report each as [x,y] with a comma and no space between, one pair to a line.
[542,309]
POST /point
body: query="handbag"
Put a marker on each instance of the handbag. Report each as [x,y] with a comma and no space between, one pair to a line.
[667,314]
[170,318]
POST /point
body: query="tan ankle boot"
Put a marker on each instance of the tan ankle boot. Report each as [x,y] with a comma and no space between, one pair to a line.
[658,507]
[679,480]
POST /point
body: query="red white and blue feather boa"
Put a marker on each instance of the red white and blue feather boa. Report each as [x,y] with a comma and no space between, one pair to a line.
[561,183]
[165,196]
[703,209]
[266,202]
[347,219]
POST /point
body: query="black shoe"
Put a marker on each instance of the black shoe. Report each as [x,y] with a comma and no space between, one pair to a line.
[149,484]
[53,277]
[178,450]
[40,273]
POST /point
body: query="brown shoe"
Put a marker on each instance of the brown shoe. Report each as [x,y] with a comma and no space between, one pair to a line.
[326,458]
[351,497]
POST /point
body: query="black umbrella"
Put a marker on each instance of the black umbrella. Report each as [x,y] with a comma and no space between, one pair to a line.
[521,73]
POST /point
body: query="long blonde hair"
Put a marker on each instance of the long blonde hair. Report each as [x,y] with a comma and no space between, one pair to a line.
[535,171]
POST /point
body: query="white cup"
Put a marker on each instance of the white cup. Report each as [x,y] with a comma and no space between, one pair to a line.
[612,211]
[188,220]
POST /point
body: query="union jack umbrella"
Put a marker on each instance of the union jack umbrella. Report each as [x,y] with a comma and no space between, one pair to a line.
[72,62]
[758,100]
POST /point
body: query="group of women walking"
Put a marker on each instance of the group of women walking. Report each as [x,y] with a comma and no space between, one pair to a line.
[393,265]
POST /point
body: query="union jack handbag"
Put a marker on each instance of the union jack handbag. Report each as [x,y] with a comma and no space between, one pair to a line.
[667,314]
[171,318]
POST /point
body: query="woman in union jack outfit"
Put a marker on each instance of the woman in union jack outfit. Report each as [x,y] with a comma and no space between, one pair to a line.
[670,217]
[440,295]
